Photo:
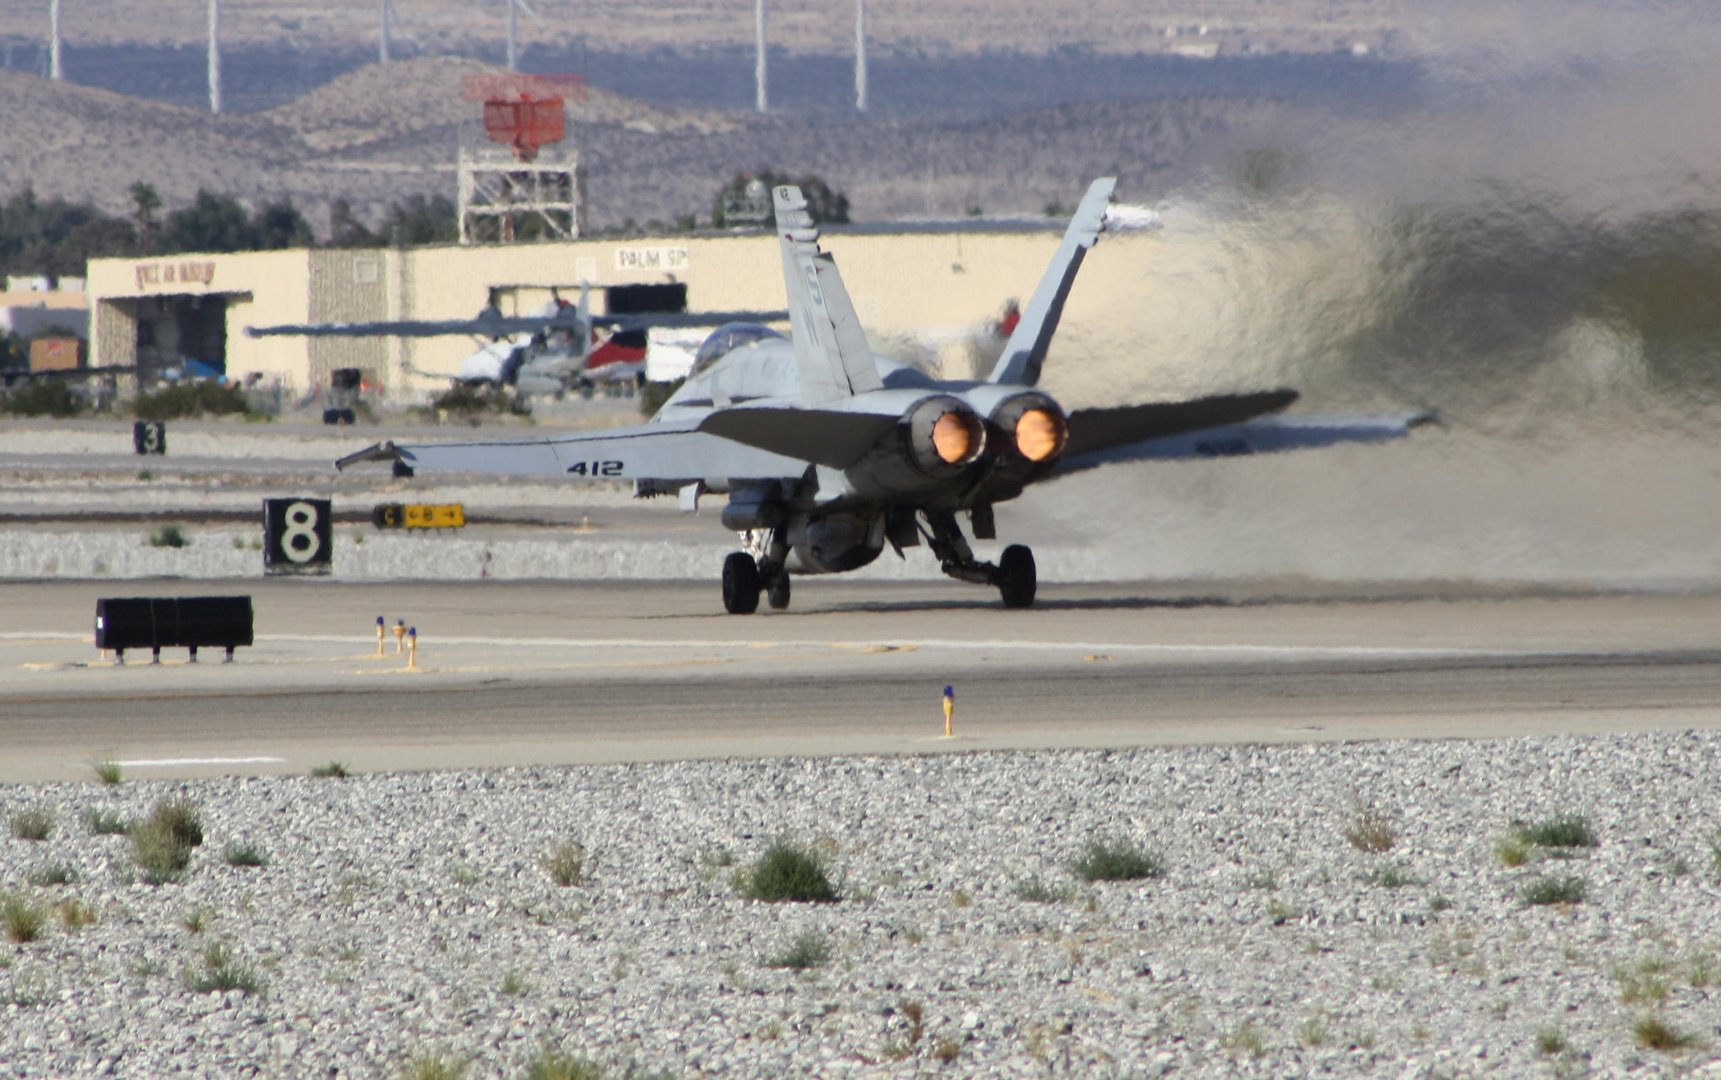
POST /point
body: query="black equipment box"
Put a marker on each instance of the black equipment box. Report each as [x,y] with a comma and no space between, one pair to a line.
[173,622]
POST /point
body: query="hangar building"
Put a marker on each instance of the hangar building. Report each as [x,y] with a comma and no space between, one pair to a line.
[930,282]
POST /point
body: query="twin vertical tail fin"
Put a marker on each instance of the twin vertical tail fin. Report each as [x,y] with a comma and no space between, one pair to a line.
[832,357]
[1025,352]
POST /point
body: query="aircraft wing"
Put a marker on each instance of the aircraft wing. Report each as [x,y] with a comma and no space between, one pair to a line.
[1098,430]
[667,453]
[826,437]
[492,324]
[1264,435]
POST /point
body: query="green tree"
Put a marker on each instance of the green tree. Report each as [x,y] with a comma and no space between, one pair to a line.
[346,230]
[56,237]
[279,225]
[421,221]
[145,204]
[211,223]
[827,205]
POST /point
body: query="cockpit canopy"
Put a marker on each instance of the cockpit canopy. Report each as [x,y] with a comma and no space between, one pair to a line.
[727,338]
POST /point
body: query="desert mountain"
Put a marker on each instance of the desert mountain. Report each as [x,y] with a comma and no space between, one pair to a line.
[380,134]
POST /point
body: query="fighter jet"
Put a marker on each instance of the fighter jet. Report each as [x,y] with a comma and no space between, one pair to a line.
[558,348]
[828,452]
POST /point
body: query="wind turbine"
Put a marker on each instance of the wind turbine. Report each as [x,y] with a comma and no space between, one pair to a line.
[55,71]
[214,56]
[860,55]
[759,65]
[386,17]
[514,9]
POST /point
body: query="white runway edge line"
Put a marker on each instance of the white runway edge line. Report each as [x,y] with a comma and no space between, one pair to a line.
[1312,652]
[171,763]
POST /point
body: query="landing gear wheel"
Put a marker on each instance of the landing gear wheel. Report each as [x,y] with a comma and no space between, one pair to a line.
[1017,578]
[740,584]
[777,593]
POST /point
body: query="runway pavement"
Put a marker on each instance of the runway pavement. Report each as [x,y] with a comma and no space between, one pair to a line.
[547,672]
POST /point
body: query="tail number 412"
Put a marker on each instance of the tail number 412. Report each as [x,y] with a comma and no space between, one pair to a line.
[595,468]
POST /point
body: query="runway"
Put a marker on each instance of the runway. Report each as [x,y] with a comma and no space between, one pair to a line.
[518,673]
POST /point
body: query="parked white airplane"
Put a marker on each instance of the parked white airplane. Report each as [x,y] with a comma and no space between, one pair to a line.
[828,452]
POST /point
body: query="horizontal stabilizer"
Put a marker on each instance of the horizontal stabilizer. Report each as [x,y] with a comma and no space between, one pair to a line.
[1093,430]
[382,451]
[1266,435]
[670,452]
[833,439]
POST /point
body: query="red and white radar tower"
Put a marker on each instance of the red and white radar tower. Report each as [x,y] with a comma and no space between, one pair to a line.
[521,171]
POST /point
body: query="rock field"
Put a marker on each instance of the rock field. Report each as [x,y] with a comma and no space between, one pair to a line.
[1341,910]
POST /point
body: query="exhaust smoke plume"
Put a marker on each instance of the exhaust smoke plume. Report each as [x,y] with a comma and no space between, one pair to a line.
[1534,250]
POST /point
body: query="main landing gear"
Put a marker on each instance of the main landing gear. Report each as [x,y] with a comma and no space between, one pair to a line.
[1014,576]
[745,577]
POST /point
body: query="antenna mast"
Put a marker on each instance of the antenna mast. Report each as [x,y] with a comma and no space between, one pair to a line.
[513,29]
[759,43]
[214,56]
[860,55]
[55,71]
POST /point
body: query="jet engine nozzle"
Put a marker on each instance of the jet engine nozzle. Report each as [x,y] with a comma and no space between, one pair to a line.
[942,435]
[1032,427]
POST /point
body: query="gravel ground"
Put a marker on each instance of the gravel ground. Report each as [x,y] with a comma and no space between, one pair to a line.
[411,914]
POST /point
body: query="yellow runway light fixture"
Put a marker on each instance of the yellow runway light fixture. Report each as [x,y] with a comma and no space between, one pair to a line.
[399,636]
[381,633]
[949,711]
[412,648]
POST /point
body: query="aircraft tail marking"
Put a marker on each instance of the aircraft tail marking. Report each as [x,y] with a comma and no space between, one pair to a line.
[831,354]
[1025,352]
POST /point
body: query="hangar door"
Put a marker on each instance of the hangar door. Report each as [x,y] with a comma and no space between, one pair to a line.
[635,299]
[174,329]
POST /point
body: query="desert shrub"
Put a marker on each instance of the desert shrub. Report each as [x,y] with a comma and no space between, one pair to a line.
[108,772]
[1554,890]
[222,971]
[180,817]
[105,822]
[42,397]
[1389,876]
[1036,891]
[654,394]
[191,399]
[162,843]
[556,1064]
[334,770]
[472,402]
[788,872]
[168,536]
[808,950]
[246,854]
[1654,1033]
[433,1065]
[23,920]
[1564,832]
[565,862]
[1116,860]
[34,823]
[1370,829]
[50,874]
[75,914]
